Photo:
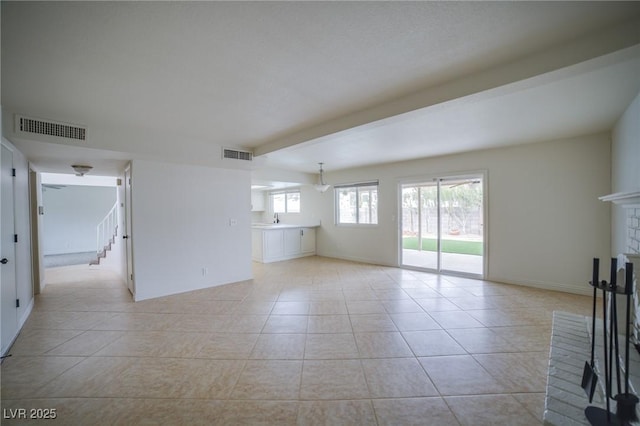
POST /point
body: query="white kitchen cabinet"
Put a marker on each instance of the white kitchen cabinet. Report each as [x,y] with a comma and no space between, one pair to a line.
[292,241]
[308,240]
[272,244]
[256,245]
[257,201]
[267,246]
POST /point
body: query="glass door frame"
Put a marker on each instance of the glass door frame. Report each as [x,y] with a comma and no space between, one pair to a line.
[436,179]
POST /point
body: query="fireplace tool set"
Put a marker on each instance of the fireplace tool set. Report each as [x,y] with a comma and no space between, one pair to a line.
[625,401]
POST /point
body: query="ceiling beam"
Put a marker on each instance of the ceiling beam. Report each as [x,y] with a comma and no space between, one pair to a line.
[586,48]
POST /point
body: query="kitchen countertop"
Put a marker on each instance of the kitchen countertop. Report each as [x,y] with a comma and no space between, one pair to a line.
[268,226]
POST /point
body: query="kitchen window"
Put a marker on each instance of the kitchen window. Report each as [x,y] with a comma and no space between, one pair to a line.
[357,204]
[285,201]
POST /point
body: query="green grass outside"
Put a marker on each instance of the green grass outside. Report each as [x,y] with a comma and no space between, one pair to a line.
[448,246]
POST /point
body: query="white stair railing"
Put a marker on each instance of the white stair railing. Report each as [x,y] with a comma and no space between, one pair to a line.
[107,230]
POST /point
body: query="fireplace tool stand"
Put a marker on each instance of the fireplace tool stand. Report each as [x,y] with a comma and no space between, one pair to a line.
[626,402]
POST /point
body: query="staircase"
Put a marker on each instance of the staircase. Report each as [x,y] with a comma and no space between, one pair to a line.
[106,233]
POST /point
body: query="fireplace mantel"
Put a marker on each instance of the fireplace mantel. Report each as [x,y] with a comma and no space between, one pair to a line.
[627,199]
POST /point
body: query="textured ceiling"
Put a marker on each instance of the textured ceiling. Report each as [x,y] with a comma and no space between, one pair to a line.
[175,81]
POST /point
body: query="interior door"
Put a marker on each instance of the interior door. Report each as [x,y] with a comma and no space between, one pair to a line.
[127,234]
[7,252]
[443,225]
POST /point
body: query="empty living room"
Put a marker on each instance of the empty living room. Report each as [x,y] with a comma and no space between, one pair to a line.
[339,213]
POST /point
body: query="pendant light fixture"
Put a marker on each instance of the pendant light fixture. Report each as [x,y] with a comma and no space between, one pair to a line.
[321,187]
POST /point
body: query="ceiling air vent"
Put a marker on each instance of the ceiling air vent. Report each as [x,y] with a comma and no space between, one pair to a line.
[50,129]
[234,154]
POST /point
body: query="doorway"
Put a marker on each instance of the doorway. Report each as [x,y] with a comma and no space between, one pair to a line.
[442,223]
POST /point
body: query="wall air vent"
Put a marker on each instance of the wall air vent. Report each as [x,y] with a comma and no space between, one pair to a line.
[234,154]
[29,127]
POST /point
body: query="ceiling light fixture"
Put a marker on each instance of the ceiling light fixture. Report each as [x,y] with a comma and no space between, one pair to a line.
[81,170]
[321,187]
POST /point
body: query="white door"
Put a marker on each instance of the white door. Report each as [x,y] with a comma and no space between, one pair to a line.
[126,235]
[7,252]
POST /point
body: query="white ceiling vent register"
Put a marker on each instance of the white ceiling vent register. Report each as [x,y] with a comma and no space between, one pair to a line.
[28,127]
[234,154]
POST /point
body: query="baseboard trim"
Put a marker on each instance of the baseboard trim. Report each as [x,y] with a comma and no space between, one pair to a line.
[584,290]
[358,259]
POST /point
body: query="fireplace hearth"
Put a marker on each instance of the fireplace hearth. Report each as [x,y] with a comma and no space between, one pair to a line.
[566,400]
[571,338]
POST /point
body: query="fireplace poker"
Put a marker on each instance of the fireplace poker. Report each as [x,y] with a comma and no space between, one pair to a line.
[589,375]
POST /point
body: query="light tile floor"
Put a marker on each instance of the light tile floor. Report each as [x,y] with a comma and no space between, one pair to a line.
[308,341]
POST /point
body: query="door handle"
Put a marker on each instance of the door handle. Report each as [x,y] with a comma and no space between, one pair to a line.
[4,261]
[124,237]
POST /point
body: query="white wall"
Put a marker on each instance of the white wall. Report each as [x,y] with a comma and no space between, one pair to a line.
[545,222]
[71,215]
[625,169]
[181,217]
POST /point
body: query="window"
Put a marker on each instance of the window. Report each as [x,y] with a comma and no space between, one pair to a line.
[285,201]
[357,203]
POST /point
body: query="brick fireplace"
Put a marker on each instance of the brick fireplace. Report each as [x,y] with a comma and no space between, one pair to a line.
[630,202]
[633,247]
[570,341]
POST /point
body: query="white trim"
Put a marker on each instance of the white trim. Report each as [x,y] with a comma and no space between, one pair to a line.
[585,290]
[357,225]
[444,272]
[21,322]
[357,259]
[25,315]
[285,191]
[628,199]
[69,179]
[357,187]
[363,183]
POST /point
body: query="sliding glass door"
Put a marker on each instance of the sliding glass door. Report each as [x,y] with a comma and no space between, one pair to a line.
[443,225]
